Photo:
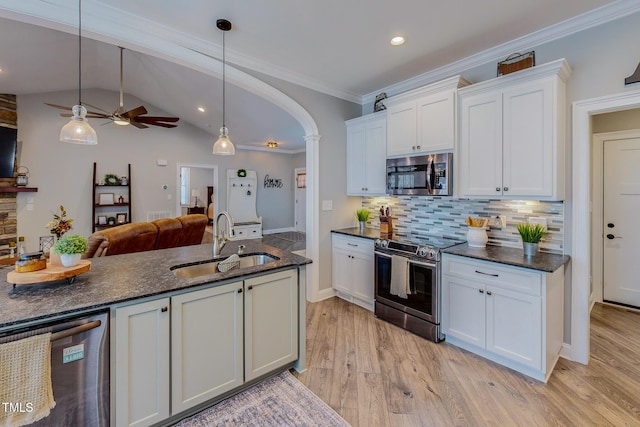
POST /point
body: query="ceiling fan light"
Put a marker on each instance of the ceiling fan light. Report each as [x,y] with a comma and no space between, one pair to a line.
[78,130]
[121,122]
[223,146]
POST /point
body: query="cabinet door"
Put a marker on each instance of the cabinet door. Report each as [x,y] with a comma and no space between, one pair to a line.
[514,326]
[464,310]
[141,363]
[356,149]
[271,322]
[401,129]
[481,145]
[362,272]
[206,344]
[436,122]
[375,158]
[341,273]
[528,141]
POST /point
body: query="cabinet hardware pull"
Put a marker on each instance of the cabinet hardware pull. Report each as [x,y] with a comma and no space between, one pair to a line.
[506,188]
[249,288]
[352,244]
[497,188]
[489,293]
[417,147]
[164,309]
[487,274]
[240,290]
[481,291]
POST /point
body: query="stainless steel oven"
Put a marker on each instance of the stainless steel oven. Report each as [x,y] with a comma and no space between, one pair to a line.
[419,309]
[429,175]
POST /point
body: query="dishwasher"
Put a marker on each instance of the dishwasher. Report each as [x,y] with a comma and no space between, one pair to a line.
[79,369]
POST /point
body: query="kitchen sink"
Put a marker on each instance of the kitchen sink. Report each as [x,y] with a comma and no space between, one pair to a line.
[205,268]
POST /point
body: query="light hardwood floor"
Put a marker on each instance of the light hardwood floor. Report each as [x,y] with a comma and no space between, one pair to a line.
[376,374]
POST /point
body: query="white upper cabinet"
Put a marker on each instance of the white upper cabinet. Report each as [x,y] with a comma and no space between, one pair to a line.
[512,131]
[366,155]
[423,120]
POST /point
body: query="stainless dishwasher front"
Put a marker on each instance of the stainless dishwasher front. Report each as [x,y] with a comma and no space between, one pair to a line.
[79,370]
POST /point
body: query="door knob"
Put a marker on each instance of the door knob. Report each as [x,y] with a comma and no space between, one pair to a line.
[611,237]
[610,225]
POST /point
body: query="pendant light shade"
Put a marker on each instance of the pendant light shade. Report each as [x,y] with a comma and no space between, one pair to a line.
[78,130]
[223,146]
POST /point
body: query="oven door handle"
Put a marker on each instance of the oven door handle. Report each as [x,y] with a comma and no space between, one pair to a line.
[376,253]
[423,264]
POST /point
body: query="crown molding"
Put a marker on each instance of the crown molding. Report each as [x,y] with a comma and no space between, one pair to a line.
[270,150]
[611,12]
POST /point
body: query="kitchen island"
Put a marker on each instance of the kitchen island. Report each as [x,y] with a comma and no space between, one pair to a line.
[178,345]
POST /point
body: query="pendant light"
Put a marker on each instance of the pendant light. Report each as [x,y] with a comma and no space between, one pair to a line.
[223,146]
[78,130]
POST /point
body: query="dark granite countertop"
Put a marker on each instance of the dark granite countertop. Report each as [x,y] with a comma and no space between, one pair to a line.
[120,278]
[368,233]
[542,261]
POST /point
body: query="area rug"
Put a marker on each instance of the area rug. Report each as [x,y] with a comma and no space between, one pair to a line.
[278,401]
[292,236]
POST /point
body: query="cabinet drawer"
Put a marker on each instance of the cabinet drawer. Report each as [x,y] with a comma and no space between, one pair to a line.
[494,274]
[352,244]
[248,232]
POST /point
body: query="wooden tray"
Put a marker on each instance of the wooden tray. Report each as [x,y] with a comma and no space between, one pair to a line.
[49,274]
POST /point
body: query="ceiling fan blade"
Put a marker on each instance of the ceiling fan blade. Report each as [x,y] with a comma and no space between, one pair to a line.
[135,112]
[164,125]
[149,119]
[97,108]
[138,125]
[61,107]
[88,116]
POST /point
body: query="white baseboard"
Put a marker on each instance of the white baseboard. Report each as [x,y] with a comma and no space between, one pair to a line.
[565,351]
[325,294]
[278,230]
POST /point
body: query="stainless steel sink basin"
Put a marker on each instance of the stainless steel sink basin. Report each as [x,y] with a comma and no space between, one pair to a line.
[189,271]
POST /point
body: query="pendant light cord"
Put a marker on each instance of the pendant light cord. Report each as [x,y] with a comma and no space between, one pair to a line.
[223,80]
[79,52]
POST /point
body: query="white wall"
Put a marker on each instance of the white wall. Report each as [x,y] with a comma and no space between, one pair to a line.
[62,172]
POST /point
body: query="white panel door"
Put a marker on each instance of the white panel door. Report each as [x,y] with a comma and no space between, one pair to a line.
[620,228]
[270,323]
[481,145]
[141,363]
[464,310]
[375,158]
[436,122]
[362,277]
[300,213]
[356,146]
[206,344]
[528,140]
[514,324]
[401,129]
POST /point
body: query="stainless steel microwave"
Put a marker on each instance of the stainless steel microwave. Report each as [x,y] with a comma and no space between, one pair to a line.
[428,175]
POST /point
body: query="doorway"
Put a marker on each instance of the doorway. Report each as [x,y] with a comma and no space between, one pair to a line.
[193,189]
[300,202]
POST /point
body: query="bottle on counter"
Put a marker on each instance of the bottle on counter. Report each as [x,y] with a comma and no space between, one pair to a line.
[12,249]
[21,248]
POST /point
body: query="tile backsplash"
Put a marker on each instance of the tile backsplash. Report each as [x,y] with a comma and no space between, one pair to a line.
[445,216]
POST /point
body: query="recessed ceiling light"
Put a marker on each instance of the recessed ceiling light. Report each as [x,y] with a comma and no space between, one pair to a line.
[201,109]
[272,144]
[398,40]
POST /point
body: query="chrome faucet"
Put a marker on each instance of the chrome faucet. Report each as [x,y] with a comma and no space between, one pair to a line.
[219,241]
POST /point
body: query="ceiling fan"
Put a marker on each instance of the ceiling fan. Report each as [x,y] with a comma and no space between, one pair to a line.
[120,116]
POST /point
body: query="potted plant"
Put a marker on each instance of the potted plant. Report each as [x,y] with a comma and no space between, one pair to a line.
[363,217]
[111,220]
[70,248]
[531,235]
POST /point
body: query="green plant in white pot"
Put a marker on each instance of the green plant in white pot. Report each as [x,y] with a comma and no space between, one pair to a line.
[70,248]
[531,235]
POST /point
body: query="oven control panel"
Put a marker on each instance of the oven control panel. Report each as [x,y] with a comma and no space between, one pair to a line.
[406,249]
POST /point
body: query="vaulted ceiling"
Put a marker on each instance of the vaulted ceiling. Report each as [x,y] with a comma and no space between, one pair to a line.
[337,47]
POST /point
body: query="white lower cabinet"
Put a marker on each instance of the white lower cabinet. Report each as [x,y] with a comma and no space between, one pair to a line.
[353,271]
[511,315]
[208,342]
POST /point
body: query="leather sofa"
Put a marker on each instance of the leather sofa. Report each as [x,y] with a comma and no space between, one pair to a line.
[146,236]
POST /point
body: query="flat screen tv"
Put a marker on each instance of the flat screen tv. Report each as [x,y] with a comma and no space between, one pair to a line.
[8,143]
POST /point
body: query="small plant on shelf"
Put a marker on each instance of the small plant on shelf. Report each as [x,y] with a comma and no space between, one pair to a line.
[362,215]
[71,244]
[111,179]
[531,233]
[111,220]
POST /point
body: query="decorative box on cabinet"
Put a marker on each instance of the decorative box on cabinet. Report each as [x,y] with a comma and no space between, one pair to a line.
[366,155]
[511,315]
[423,120]
[353,269]
[512,131]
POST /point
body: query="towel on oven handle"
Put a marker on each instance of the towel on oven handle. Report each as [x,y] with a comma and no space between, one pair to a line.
[399,276]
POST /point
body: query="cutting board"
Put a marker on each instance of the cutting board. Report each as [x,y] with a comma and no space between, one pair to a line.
[49,274]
